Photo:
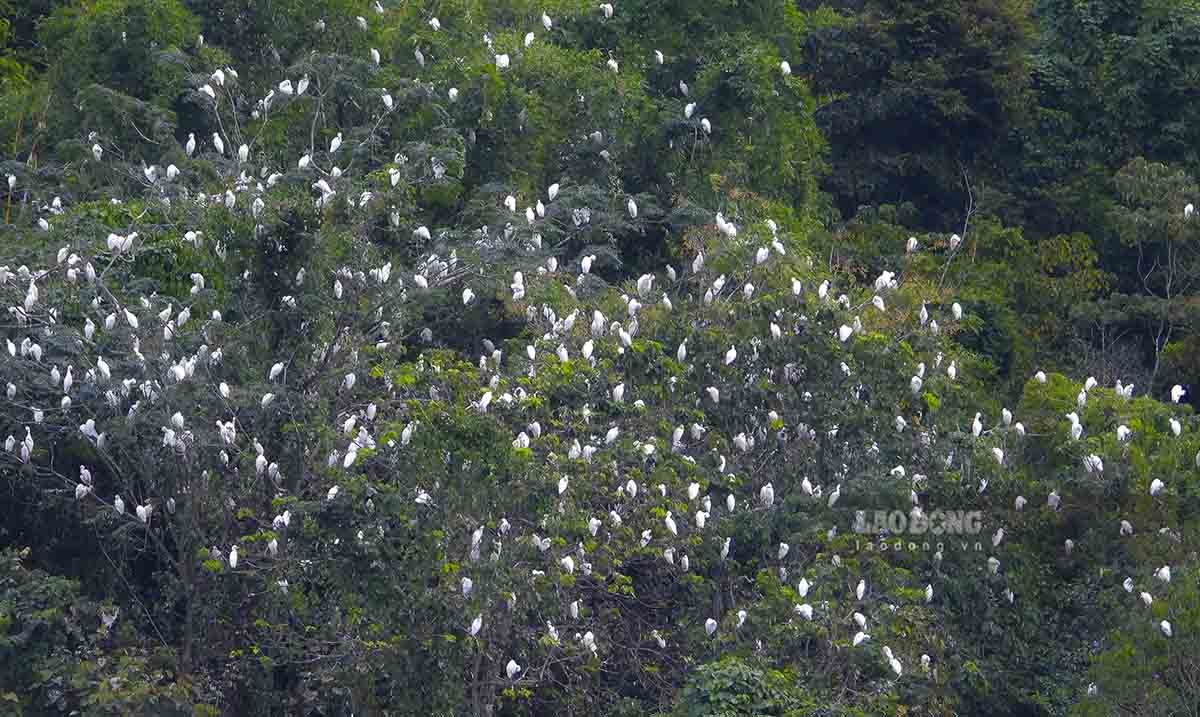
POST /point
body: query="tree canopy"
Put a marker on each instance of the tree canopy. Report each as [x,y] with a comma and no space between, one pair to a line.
[646,358]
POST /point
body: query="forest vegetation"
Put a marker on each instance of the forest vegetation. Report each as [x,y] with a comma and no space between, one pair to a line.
[497,357]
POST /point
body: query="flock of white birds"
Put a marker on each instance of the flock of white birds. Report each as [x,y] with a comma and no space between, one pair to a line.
[113,322]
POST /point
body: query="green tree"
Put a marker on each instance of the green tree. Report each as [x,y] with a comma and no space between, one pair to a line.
[916,98]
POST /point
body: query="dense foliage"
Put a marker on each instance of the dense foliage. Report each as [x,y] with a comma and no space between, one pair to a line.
[497,358]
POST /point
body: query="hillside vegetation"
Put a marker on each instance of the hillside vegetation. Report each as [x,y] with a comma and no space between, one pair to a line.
[790,358]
